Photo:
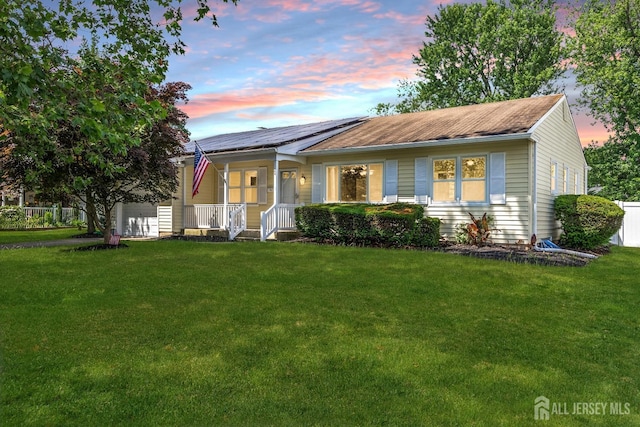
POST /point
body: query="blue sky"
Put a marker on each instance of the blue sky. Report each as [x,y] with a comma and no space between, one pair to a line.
[285,62]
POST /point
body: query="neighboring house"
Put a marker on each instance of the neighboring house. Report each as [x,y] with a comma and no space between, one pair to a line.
[508,159]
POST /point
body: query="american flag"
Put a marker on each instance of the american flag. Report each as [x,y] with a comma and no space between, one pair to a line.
[201,164]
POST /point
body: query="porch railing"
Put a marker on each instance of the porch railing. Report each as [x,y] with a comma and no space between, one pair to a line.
[277,217]
[213,217]
[206,216]
[237,221]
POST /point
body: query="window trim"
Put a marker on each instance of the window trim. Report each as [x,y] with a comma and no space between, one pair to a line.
[339,165]
[554,178]
[243,185]
[458,180]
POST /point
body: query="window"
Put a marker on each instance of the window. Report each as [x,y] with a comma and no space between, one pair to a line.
[461,179]
[554,178]
[576,183]
[354,183]
[474,179]
[243,186]
[444,180]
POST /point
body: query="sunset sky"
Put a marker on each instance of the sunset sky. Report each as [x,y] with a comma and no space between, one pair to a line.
[285,62]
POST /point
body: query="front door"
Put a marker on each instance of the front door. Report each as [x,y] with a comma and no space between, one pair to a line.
[288,185]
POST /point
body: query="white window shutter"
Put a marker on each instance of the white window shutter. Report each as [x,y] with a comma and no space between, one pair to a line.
[421,180]
[497,178]
[317,180]
[262,185]
[391,181]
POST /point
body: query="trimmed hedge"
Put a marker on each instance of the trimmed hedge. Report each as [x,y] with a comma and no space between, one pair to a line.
[587,221]
[396,224]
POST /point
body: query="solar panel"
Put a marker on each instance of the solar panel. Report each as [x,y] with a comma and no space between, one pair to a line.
[274,137]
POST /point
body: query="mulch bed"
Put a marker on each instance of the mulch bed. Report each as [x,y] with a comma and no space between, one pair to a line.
[518,255]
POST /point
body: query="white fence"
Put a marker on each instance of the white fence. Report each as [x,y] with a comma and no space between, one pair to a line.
[38,217]
[629,233]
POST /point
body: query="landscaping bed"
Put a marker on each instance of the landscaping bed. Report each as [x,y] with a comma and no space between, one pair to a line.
[520,254]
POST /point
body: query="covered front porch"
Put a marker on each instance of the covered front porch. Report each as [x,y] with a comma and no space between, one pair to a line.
[231,220]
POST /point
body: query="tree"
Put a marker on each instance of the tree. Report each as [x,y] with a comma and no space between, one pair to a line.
[100,108]
[144,173]
[478,53]
[606,56]
[615,169]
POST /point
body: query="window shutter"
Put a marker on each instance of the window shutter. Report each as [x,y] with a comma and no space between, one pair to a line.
[497,179]
[421,180]
[220,188]
[317,181]
[262,185]
[391,181]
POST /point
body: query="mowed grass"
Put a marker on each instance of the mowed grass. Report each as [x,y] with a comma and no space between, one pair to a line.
[183,333]
[20,236]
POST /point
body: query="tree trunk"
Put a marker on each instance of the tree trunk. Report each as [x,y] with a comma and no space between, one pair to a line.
[91,214]
[106,232]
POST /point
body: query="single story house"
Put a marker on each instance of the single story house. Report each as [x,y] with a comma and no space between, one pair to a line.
[508,159]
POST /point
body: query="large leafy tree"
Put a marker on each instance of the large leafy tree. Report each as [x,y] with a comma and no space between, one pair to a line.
[141,173]
[606,55]
[615,169]
[478,52]
[101,107]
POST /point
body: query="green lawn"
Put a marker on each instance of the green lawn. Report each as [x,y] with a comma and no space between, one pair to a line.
[35,235]
[183,333]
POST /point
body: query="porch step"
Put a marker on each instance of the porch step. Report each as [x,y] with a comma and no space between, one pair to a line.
[248,235]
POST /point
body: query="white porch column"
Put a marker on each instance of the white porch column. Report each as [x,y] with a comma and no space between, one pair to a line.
[225,220]
[21,198]
[3,199]
[276,181]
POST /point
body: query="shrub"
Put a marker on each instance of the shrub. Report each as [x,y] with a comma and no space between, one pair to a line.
[313,221]
[12,217]
[587,221]
[396,224]
[427,232]
[477,232]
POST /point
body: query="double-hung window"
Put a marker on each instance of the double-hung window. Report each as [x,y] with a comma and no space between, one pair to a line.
[362,182]
[243,186]
[554,178]
[460,179]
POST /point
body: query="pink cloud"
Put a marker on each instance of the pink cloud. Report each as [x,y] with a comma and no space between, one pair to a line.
[203,105]
[590,131]
[401,18]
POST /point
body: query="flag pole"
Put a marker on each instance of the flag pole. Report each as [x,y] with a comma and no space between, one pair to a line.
[212,163]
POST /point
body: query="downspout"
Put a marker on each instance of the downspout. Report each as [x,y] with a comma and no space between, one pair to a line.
[534,189]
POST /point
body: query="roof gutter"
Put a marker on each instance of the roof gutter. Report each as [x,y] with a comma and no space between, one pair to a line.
[419,144]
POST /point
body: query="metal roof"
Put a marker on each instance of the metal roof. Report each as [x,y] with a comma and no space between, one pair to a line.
[298,136]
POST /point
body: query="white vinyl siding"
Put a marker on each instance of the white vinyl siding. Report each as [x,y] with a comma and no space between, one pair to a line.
[557,142]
